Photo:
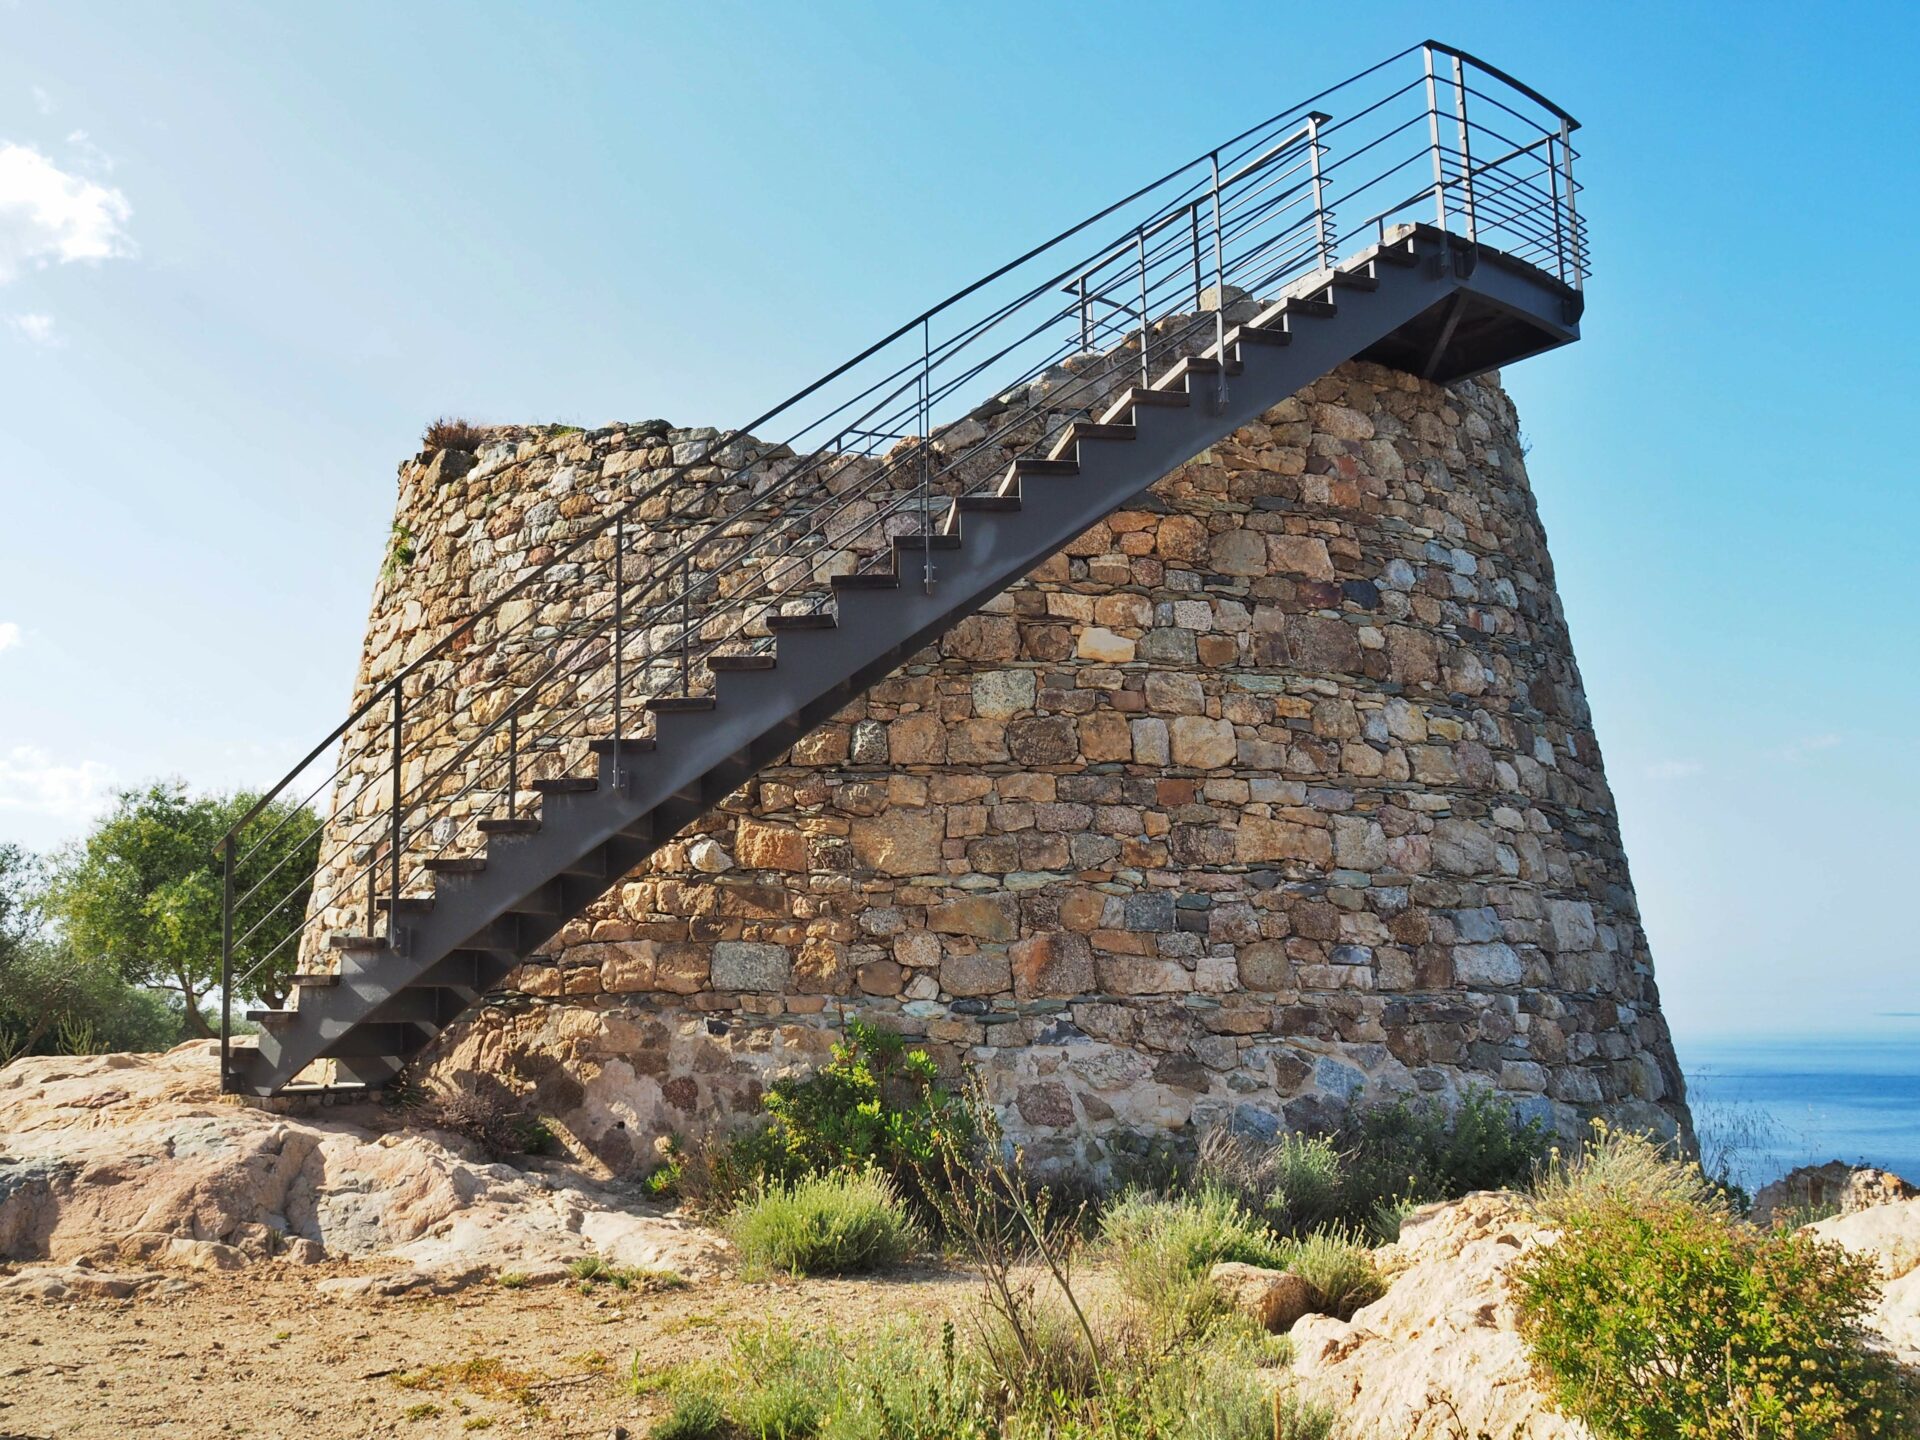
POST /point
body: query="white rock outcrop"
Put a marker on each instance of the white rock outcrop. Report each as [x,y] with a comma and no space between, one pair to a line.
[1438,1355]
[109,1158]
[1891,1235]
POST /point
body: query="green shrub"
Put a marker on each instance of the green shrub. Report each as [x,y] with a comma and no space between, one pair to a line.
[695,1416]
[915,1383]
[833,1224]
[876,1104]
[1296,1183]
[1338,1267]
[1416,1151]
[1659,1318]
[1381,1161]
[1162,1248]
[1619,1170]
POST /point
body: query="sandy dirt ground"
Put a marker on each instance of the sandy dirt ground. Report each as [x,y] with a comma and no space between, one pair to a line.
[259,1353]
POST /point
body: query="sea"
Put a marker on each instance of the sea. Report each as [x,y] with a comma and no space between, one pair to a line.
[1765,1104]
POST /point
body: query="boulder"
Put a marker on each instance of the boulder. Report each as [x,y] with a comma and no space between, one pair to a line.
[1275,1298]
[1890,1234]
[1834,1186]
[1439,1353]
[140,1157]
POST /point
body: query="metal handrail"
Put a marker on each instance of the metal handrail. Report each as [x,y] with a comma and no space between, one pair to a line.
[1252,216]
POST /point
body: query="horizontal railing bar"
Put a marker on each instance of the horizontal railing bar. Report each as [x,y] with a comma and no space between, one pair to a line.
[1503,77]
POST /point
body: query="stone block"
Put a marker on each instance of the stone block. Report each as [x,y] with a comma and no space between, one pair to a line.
[1201,743]
[1103,646]
[984,973]
[1055,965]
[1258,838]
[1303,555]
[1475,965]
[1002,694]
[769,847]
[1042,740]
[983,917]
[899,842]
[741,965]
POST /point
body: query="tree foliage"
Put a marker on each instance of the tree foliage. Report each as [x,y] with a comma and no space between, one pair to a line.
[53,1002]
[1659,1316]
[143,893]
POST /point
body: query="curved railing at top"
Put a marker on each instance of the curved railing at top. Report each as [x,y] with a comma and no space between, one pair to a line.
[698,558]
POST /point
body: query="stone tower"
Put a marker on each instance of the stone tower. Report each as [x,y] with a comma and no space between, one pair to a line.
[1273,792]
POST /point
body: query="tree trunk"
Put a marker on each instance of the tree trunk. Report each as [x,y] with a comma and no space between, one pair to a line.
[196,1022]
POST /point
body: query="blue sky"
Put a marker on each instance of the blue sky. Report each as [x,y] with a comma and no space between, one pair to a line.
[246,251]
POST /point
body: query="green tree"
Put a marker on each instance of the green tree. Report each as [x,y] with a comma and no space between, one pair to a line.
[50,1002]
[143,893]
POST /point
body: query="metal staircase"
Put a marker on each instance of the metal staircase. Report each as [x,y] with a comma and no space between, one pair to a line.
[669,651]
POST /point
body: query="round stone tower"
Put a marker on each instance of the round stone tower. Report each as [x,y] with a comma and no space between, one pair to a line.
[1274,792]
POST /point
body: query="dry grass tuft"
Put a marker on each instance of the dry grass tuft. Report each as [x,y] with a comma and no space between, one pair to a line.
[452,433]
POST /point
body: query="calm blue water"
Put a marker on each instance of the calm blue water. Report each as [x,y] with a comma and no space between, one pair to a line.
[1780,1102]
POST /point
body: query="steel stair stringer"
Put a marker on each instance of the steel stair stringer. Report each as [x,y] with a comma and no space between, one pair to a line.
[389,1002]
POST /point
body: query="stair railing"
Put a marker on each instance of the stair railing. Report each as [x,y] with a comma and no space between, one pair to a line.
[738,529]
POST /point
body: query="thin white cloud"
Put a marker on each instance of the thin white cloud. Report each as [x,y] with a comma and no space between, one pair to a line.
[33,783]
[48,216]
[91,156]
[35,328]
[1807,745]
[9,635]
[42,101]
[1674,769]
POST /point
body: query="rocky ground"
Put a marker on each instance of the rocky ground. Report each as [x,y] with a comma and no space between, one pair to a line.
[178,1265]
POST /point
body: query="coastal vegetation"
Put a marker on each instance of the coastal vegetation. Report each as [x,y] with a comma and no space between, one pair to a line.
[114,942]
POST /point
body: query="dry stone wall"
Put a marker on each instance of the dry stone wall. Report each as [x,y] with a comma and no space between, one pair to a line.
[1275,791]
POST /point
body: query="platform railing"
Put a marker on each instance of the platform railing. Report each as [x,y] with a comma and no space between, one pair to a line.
[870,453]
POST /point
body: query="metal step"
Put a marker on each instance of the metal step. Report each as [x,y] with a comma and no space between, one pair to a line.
[565,785]
[374,1040]
[733,664]
[1129,401]
[679,704]
[1081,431]
[1260,335]
[631,745]
[1309,309]
[510,825]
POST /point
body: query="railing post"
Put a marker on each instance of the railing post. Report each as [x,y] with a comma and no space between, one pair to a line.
[513,762]
[1466,146]
[1199,285]
[394,829]
[1433,133]
[226,965]
[1553,189]
[686,625]
[1086,326]
[926,447]
[1219,295]
[1323,233]
[619,638]
[1140,253]
[1573,213]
